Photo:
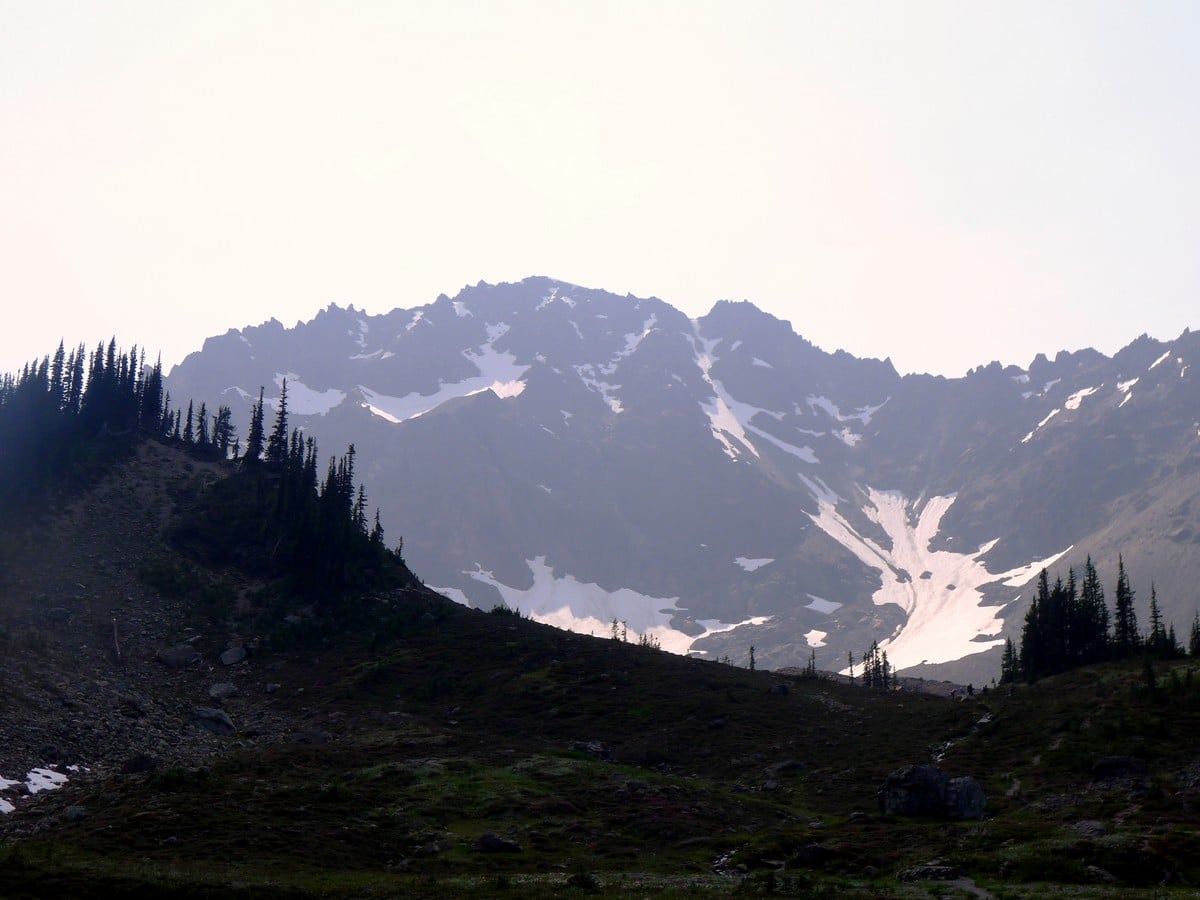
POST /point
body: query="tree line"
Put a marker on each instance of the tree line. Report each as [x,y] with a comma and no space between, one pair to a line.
[73,406]
[1069,624]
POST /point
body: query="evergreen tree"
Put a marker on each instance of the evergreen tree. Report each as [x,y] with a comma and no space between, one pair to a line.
[224,431]
[255,436]
[188,435]
[1010,665]
[1125,627]
[1094,613]
[277,443]
[1156,641]
[202,436]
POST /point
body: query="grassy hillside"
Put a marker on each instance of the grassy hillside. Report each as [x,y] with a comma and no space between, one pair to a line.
[390,743]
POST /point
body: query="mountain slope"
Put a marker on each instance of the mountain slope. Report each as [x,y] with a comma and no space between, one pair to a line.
[722,483]
[410,746]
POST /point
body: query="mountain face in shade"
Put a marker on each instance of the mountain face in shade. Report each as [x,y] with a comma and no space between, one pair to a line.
[721,483]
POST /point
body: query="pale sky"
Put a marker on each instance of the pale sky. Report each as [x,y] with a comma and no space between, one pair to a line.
[942,183]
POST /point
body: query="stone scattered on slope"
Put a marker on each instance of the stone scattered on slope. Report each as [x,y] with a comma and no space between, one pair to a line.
[215,720]
[233,656]
[179,657]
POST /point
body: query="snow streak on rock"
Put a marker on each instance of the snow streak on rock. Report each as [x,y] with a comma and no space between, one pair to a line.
[498,372]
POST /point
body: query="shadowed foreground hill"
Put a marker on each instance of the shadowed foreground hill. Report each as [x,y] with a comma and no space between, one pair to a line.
[383,741]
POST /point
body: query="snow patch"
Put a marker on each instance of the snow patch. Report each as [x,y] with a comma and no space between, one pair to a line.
[374,354]
[1074,401]
[734,345]
[863,414]
[751,564]
[944,615]
[588,373]
[1161,359]
[761,362]
[816,638]
[36,781]
[819,489]
[460,310]
[1028,437]
[804,454]
[498,372]
[587,608]
[455,594]
[819,604]
[417,319]
[303,400]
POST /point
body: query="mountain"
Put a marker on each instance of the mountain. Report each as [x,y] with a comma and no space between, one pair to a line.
[721,483]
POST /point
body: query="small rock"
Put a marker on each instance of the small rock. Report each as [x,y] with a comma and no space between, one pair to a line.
[787,767]
[931,871]
[494,843]
[593,748]
[223,691]
[271,687]
[179,657]
[75,813]
[1101,875]
[233,656]
[1090,828]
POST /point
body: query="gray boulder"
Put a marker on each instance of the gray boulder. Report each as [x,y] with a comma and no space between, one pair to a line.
[179,657]
[914,791]
[965,799]
[215,720]
[223,691]
[924,790]
[233,656]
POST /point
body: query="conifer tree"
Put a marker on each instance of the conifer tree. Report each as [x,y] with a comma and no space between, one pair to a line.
[1010,665]
[202,436]
[255,436]
[1125,628]
[277,443]
[1157,639]
[188,434]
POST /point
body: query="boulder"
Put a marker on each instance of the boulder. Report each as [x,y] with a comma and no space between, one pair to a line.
[914,791]
[215,720]
[223,691]
[964,799]
[924,790]
[233,656]
[494,843]
[179,657]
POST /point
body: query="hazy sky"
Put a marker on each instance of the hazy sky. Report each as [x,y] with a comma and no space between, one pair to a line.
[942,183]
